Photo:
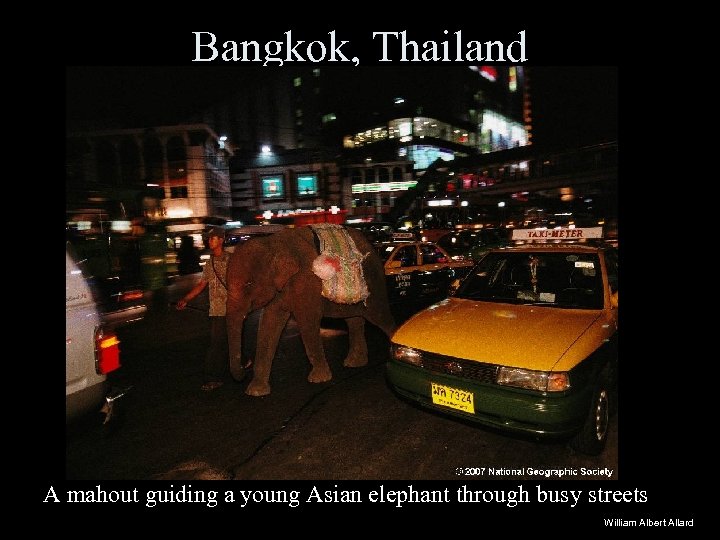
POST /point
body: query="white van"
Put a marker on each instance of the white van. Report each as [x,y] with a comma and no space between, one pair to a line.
[91,349]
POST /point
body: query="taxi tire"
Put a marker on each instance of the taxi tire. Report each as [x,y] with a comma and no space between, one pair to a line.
[592,437]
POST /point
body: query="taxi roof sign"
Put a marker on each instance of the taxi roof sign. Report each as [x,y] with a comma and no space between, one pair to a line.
[578,233]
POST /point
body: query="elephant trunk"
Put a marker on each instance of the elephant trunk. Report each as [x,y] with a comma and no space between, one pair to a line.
[235,321]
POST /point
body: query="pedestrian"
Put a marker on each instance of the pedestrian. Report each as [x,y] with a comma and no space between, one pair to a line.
[188,257]
[216,367]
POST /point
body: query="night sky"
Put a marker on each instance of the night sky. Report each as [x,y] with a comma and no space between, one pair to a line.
[574,104]
[570,105]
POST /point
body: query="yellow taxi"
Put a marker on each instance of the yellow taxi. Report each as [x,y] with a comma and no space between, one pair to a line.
[527,343]
[417,271]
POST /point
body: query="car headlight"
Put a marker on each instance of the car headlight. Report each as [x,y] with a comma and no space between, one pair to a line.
[405,354]
[542,381]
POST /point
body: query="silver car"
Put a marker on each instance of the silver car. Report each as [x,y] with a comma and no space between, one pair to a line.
[91,349]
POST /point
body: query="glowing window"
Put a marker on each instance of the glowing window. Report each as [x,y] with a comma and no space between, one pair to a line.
[273,188]
[307,184]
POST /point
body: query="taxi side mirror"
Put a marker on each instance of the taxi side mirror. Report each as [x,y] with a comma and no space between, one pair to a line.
[394,264]
[614,300]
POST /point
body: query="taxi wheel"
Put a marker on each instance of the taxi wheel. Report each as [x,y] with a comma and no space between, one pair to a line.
[591,439]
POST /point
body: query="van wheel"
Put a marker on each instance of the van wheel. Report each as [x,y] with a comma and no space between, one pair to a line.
[592,437]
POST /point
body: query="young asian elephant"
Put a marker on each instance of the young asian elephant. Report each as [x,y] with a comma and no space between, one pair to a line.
[275,272]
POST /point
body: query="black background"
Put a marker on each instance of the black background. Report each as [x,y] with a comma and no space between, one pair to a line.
[580,92]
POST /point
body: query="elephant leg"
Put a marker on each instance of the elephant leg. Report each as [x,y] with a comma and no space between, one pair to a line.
[309,326]
[272,323]
[358,353]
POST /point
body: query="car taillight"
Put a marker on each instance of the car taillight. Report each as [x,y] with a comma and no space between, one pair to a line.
[107,350]
[128,296]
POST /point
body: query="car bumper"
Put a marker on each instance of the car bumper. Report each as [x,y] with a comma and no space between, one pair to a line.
[90,398]
[496,406]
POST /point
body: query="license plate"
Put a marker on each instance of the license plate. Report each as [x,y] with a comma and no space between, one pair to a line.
[462,400]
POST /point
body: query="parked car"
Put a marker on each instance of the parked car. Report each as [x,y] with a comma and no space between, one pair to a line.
[433,235]
[473,243]
[419,271]
[375,231]
[113,264]
[528,343]
[92,348]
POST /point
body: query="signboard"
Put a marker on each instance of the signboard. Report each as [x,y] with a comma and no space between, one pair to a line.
[557,234]
[307,184]
[273,188]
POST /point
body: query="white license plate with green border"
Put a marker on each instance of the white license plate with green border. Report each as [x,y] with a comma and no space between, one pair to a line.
[447,396]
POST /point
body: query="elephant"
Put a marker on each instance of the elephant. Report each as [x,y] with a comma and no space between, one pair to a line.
[275,273]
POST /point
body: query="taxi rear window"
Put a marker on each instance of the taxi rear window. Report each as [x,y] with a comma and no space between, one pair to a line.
[432,255]
[565,280]
[384,251]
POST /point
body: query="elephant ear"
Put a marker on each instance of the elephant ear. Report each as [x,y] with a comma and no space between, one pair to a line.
[282,267]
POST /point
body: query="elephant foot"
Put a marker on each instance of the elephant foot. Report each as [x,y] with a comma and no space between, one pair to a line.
[257,389]
[238,374]
[355,362]
[319,375]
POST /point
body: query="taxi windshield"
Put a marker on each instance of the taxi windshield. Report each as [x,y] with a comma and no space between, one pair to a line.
[565,280]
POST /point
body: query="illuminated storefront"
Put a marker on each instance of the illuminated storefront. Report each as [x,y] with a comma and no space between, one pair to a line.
[423,154]
[500,133]
[405,130]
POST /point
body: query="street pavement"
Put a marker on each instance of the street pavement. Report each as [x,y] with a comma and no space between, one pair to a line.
[350,428]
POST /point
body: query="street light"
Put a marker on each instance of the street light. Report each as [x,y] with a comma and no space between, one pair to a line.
[501,205]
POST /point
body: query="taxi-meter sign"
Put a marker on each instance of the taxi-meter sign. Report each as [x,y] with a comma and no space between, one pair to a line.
[579,233]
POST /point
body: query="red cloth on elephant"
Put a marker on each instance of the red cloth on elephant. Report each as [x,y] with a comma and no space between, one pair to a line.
[346,285]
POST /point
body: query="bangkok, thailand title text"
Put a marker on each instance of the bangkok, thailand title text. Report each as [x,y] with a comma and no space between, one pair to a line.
[393,46]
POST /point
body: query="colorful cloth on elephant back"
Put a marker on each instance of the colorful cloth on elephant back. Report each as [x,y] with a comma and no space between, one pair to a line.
[339,265]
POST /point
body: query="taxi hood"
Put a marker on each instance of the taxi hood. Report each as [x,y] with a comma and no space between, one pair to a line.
[530,337]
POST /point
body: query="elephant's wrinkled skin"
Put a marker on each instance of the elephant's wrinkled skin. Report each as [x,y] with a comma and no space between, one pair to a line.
[275,273]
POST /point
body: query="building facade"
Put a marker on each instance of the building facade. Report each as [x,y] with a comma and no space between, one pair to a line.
[179,171]
[520,187]
[384,127]
[474,108]
[283,184]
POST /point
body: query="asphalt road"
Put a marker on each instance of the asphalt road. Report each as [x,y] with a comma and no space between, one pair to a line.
[350,428]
